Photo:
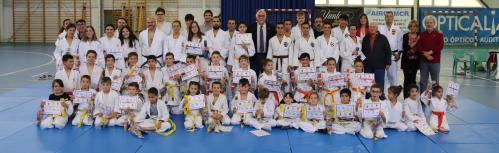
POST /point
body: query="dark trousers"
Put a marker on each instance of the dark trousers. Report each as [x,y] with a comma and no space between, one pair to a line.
[256,62]
[409,79]
[379,76]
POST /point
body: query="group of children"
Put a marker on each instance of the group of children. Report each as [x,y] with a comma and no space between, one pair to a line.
[308,98]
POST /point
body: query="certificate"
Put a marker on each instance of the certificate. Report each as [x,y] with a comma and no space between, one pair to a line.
[244,38]
[371,110]
[245,106]
[345,111]
[336,80]
[190,71]
[116,52]
[52,107]
[306,73]
[128,102]
[239,74]
[272,85]
[215,72]
[315,112]
[82,96]
[452,88]
[194,48]
[196,102]
[292,111]
[364,79]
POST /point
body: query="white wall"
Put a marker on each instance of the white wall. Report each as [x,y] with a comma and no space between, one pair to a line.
[6,19]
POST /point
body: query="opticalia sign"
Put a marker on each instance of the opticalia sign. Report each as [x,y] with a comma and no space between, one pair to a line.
[458,24]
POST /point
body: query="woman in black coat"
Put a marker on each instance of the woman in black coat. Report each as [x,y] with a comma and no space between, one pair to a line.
[410,58]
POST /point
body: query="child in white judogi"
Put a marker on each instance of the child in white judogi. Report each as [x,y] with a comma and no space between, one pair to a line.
[239,48]
[358,91]
[263,114]
[350,48]
[242,105]
[280,49]
[244,67]
[373,127]
[106,105]
[133,73]
[396,110]
[70,77]
[306,44]
[438,105]
[312,115]
[84,106]
[222,75]
[217,108]
[91,69]
[347,124]
[193,117]
[126,115]
[192,61]
[328,45]
[112,72]
[175,43]
[413,109]
[304,86]
[288,112]
[60,119]
[269,79]
[172,86]
[153,75]
[329,93]
[153,115]
[67,45]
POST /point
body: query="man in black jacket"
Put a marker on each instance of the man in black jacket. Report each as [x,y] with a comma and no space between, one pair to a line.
[261,42]
[378,54]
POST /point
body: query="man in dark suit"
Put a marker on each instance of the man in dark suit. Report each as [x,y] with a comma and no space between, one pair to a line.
[261,31]
[378,54]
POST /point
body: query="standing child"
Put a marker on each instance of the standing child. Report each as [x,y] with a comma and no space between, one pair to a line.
[329,92]
[373,127]
[172,85]
[237,50]
[438,106]
[358,92]
[312,115]
[193,117]
[56,120]
[413,109]
[133,73]
[84,115]
[153,76]
[218,108]
[112,72]
[153,115]
[216,58]
[263,116]
[271,81]
[396,110]
[192,61]
[245,68]
[348,125]
[67,75]
[242,104]
[288,112]
[304,85]
[106,105]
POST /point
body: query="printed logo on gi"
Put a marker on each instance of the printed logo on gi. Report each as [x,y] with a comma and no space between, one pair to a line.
[285,44]
[312,44]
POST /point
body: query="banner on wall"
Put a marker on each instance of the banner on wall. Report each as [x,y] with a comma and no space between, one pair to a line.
[401,16]
[457,24]
[333,13]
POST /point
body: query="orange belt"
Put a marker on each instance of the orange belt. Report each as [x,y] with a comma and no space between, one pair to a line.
[307,93]
[276,96]
[440,116]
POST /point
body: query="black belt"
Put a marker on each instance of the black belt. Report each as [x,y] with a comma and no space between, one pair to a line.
[279,61]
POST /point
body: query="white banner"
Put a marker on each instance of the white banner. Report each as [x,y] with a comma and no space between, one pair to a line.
[401,16]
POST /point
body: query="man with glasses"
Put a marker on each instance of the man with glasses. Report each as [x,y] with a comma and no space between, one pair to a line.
[207,25]
[261,31]
[162,24]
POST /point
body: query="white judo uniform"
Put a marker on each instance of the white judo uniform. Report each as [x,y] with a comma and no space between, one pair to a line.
[438,108]
[150,114]
[244,117]
[71,81]
[280,51]
[236,51]
[346,125]
[193,117]
[303,45]
[297,34]
[121,62]
[266,121]
[288,115]
[396,119]
[218,105]
[57,121]
[218,42]
[156,48]
[63,47]
[413,113]
[123,116]
[172,95]
[116,77]
[165,27]
[95,45]
[368,129]
[347,47]
[328,48]
[153,78]
[176,46]
[273,77]
[83,111]
[339,34]
[394,35]
[95,74]
[106,103]
[312,118]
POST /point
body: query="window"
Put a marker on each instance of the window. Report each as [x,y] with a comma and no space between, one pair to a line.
[406,2]
[388,2]
[441,2]
[371,2]
[465,3]
[355,2]
[337,2]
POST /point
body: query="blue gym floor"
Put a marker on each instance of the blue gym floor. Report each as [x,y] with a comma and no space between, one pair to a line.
[474,126]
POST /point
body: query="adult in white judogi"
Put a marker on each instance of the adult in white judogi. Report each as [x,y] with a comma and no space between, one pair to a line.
[88,42]
[280,49]
[218,39]
[394,35]
[327,45]
[65,46]
[152,41]
[341,31]
[349,50]
[296,31]
[306,44]
[175,43]
[151,113]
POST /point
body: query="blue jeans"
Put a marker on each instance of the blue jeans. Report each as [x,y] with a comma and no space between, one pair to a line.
[379,75]
[428,69]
